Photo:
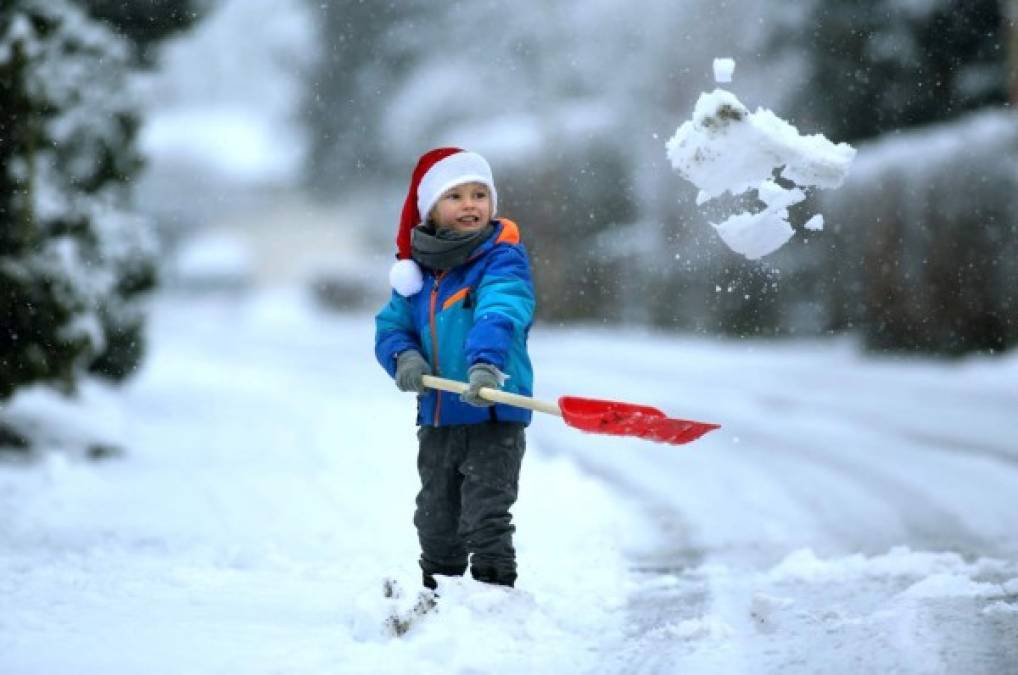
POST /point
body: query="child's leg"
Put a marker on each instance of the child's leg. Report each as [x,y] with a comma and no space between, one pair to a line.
[438,503]
[491,476]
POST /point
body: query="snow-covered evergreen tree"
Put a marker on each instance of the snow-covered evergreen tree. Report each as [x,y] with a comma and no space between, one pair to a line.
[74,259]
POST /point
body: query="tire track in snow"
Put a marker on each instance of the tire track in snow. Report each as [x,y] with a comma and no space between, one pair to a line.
[869,468]
[655,604]
[875,419]
[927,524]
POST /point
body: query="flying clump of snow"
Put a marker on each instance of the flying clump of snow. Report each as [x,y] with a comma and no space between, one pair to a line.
[725,148]
[723,69]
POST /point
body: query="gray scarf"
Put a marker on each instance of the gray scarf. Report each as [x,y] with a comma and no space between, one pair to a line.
[442,248]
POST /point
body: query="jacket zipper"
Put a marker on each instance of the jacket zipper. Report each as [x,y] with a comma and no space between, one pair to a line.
[434,344]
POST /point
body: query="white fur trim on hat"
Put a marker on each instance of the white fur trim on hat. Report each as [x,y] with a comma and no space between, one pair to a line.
[405,276]
[463,167]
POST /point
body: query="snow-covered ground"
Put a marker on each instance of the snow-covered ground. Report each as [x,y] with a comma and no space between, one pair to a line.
[852,515]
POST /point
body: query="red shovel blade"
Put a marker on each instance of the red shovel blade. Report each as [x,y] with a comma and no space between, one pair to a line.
[627,419]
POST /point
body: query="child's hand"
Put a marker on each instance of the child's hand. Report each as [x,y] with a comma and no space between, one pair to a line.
[482,375]
[410,371]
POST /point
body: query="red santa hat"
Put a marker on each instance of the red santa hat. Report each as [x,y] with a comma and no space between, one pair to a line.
[437,171]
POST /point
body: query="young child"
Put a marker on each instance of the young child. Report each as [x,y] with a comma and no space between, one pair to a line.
[462,307]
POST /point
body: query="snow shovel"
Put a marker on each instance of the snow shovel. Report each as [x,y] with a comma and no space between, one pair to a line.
[593,415]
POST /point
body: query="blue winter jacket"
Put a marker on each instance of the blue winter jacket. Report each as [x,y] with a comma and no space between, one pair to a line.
[477,312]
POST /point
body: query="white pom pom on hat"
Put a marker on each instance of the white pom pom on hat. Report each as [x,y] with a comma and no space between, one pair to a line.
[405,276]
[436,171]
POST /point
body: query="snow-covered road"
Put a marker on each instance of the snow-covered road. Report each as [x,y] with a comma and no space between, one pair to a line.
[852,515]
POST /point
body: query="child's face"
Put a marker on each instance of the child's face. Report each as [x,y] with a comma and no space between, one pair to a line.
[463,208]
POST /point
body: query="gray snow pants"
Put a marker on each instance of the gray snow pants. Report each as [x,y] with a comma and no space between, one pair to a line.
[470,477]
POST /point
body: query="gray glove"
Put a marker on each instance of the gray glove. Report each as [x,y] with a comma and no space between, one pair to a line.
[410,369]
[482,375]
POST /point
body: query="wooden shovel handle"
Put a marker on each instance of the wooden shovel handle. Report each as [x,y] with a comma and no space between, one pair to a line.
[496,395]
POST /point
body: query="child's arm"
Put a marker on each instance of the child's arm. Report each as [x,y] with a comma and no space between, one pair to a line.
[395,332]
[505,306]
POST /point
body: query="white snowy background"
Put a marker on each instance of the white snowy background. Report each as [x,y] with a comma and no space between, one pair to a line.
[853,514]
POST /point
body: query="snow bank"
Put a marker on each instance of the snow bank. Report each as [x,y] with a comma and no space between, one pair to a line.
[1002,609]
[900,561]
[952,586]
[725,148]
[919,575]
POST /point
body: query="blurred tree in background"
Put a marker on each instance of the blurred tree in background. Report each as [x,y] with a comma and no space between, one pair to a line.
[895,64]
[145,23]
[922,241]
[363,62]
[75,259]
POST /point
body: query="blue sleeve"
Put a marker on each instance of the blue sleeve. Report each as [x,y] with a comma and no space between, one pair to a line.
[505,306]
[395,332]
